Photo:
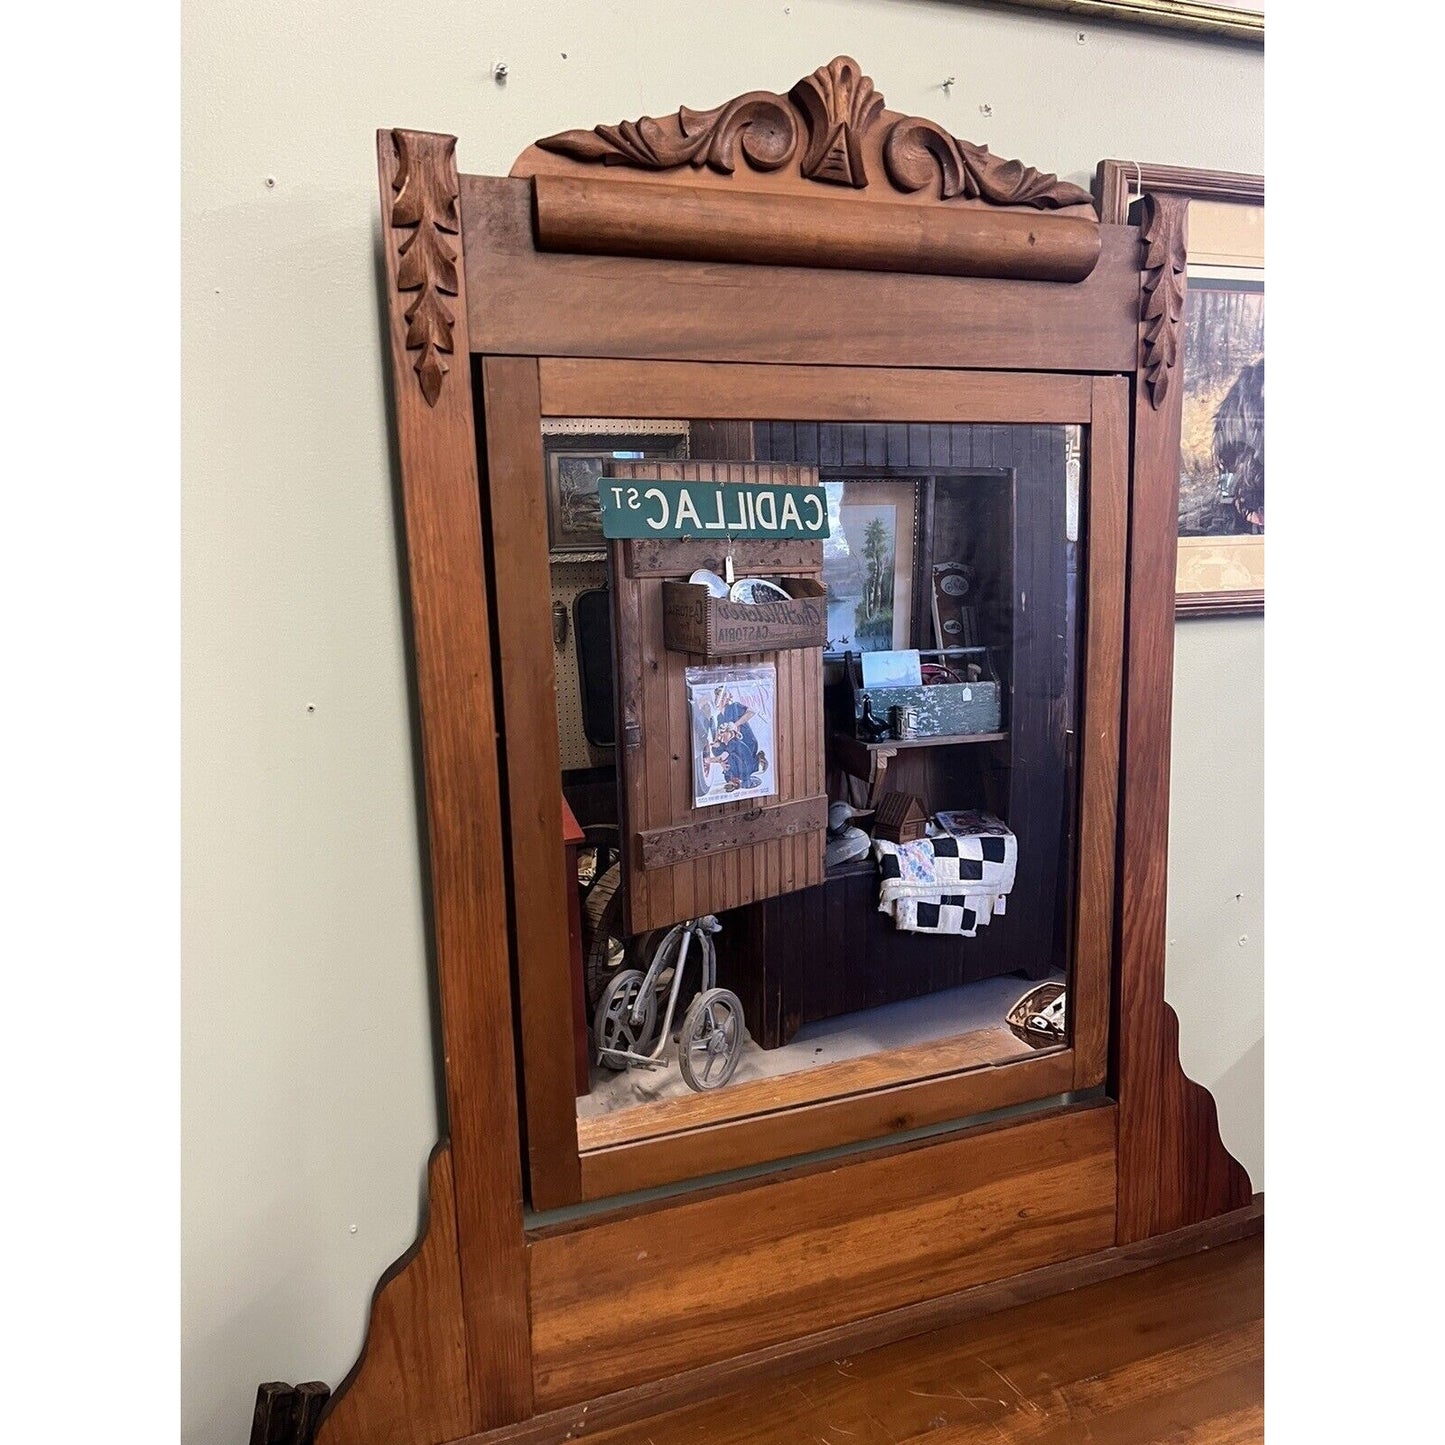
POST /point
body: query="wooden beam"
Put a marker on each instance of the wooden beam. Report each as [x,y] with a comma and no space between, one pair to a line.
[573,387]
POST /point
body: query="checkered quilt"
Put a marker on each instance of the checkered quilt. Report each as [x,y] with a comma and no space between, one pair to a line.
[951,883]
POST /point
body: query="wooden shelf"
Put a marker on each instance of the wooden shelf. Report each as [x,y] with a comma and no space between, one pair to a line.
[869,761]
[944,740]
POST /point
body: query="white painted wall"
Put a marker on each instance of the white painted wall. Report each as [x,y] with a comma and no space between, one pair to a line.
[308,1075]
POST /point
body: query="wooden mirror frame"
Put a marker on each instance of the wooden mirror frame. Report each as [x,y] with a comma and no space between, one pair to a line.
[568,288]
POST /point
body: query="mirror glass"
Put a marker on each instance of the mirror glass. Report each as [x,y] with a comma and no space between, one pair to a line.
[936,679]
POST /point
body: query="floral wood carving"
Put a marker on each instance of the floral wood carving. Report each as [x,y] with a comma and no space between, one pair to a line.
[1164,234]
[426,208]
[840,106]
[846,124]
[918,150]
[760,122]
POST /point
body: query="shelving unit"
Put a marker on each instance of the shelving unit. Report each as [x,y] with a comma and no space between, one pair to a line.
[869,761]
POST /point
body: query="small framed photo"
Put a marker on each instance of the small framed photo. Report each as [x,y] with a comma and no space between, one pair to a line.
[574,509]
[734,740]
[577,454]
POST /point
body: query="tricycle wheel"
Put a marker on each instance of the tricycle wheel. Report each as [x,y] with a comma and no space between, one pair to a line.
[711,1041]
[613,1026]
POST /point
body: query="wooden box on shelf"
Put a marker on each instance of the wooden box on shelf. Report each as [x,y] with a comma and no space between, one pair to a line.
[900,818]
[940,709]
[696,622]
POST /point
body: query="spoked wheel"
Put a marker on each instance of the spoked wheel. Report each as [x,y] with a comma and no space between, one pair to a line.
[711,1041]
[613,1026]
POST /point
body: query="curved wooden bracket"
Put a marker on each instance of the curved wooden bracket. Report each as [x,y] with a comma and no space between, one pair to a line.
[409,1384]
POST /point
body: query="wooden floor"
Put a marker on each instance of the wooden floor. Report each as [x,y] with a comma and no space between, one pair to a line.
[1170,1354]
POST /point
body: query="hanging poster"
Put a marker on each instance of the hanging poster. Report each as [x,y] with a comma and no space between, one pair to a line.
[734,747]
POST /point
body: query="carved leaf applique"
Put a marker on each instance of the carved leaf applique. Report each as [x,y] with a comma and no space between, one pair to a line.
[1164,235]
[426,206]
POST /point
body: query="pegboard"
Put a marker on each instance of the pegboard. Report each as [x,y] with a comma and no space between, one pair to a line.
[568,579]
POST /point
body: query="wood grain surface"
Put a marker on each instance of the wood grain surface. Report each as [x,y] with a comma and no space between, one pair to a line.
[585,387]
[1107,495]
[1173,1168]
[750,1098]
[805,1126]
[750,1373]
[451,642]
[599,217]
[409,1384]
[1172,1353]
[533,303]
[704,1280]
[516,500]
[675,868]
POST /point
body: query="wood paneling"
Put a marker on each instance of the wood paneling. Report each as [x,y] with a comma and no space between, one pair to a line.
[763,823]
[599,217]
[1173,1169]
[676,868]
[703,1280]
[532,303]
[516,501]
[409,1384]
[810,393]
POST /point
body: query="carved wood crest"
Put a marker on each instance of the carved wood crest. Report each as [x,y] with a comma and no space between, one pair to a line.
[424,214]
[832,128]
[1164,234]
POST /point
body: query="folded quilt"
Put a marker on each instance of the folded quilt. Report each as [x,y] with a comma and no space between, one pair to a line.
[951,883]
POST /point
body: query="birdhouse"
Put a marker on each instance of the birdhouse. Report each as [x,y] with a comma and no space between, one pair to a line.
[901,818]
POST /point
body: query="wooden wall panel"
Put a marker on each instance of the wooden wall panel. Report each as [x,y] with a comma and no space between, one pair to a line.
[635,1298]
[656,752]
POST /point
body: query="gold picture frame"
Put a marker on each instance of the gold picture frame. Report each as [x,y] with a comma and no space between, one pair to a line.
[1231,22]
[1220,571]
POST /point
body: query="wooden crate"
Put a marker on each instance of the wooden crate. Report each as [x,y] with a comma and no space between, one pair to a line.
[696,622]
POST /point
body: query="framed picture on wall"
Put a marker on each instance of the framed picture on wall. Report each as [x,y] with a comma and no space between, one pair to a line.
[577,452]
[868,564]
[1220,568]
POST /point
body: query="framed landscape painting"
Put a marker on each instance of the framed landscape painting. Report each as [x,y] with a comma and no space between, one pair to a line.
[868,564]
[1220,566]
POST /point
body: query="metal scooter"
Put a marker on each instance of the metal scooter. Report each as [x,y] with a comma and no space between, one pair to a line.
[710,1040]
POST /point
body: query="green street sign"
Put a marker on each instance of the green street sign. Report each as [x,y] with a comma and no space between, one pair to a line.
[711,509]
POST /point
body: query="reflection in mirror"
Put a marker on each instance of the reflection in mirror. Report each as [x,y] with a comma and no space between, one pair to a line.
[888,783]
